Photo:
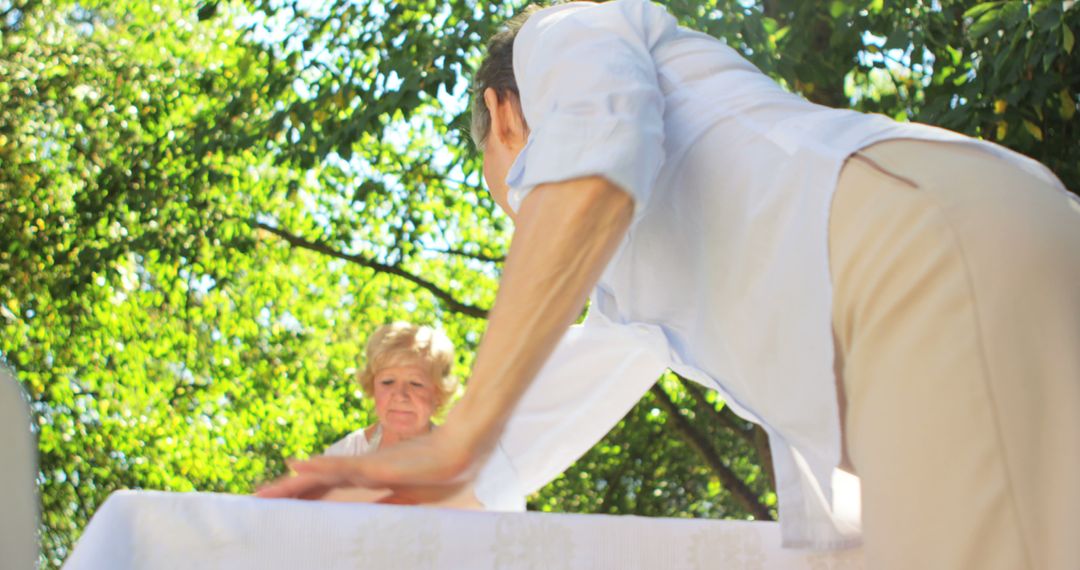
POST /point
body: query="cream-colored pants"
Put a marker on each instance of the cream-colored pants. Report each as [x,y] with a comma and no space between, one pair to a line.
[957,319]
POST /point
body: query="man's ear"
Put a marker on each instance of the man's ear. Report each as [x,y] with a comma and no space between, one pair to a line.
[507,122]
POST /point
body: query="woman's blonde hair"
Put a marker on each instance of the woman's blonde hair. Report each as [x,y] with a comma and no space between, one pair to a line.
[401,343]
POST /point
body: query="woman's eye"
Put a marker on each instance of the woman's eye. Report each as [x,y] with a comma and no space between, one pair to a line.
[387,381]
[417,384]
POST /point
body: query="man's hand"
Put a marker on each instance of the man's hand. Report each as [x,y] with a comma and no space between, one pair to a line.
[433,469]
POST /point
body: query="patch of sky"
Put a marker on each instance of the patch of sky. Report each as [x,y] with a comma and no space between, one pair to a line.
[181,371]
[199,284]
[263,319]
[300,87]
[285,33]
[289,322]
[286,320]
[891,64]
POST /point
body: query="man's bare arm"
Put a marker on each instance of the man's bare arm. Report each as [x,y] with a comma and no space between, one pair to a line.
[566,233]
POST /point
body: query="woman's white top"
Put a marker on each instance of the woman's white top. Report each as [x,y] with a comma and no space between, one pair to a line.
[724,275]
[356,443]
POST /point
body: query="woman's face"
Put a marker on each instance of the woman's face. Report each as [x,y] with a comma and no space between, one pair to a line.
[404,399]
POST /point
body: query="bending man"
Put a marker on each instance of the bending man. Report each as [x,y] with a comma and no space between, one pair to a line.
[897,292]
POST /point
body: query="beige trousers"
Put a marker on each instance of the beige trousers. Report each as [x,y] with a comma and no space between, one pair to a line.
[957,319]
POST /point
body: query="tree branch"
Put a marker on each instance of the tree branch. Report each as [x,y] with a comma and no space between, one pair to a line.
[476,256]
[738,489]
[724,417]
[439,293]
[752,434]
[614,489]
[764,451]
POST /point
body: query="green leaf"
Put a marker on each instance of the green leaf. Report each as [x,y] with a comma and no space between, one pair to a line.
[1012,13]
[1033,129]
[898,39]
[980,9]
[1068,105]
[986,23]
[1046,16]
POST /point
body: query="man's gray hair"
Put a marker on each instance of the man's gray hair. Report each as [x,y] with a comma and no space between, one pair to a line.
[496,72]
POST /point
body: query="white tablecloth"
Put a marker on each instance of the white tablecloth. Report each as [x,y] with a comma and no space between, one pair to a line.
[202,530]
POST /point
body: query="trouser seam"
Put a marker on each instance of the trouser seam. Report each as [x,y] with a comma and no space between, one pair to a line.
[987,373]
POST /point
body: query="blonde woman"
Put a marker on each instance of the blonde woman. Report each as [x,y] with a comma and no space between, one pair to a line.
[407,372]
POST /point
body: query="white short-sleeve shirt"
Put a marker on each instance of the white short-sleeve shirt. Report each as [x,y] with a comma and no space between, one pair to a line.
[724,275]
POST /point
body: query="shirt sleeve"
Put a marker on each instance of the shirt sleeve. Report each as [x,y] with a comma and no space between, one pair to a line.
[497,486]
[595,376]
[590,95]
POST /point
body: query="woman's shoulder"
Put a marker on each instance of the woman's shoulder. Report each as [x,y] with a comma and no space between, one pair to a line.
[355,443]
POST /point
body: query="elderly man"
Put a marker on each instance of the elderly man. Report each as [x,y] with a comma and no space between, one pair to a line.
[893,293]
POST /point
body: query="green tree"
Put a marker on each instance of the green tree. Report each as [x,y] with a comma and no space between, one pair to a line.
[207,206]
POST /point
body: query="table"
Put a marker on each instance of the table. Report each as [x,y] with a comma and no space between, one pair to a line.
[157,530]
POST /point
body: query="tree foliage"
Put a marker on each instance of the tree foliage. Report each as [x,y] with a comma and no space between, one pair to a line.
[207,206]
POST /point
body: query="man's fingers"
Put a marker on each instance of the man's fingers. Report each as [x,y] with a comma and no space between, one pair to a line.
[321,465]
[343,471]
[314,493]
[426,495]
[316,477]
[416,496]
[280,489]
[396,499]
[297,486]
[425,466]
